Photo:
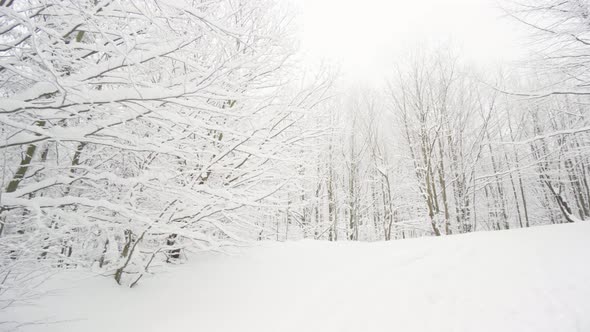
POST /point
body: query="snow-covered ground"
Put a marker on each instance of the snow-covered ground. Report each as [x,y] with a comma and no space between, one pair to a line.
[524,280]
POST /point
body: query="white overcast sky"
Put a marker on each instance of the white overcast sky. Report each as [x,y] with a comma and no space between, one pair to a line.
[365,36]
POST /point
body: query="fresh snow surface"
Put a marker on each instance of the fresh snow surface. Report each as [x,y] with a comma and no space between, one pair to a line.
[536,279]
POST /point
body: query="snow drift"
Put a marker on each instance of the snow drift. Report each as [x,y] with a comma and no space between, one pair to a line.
[522,280]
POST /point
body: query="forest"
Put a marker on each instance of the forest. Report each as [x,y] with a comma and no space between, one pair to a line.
[137,134]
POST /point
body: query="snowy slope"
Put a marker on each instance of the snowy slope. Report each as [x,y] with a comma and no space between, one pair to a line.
[524,280]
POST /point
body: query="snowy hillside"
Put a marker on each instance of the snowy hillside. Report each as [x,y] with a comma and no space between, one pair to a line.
[523,280]
[294,165]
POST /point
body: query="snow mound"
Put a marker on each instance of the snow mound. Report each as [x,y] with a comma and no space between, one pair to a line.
[524,280]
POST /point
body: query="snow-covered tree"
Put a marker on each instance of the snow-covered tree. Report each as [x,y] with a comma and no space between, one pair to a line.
[132,130]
